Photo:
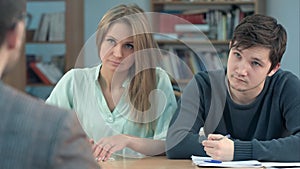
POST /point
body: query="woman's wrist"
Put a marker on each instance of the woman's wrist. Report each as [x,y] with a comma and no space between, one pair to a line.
[127,140]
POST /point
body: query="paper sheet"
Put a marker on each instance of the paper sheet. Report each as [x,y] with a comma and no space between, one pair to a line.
[201,161]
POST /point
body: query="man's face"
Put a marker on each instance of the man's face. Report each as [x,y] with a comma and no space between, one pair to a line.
[247,69]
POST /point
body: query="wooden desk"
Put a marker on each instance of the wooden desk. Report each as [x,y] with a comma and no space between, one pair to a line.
[159,162]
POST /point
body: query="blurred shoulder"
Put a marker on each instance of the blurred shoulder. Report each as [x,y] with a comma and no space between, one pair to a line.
[15,103]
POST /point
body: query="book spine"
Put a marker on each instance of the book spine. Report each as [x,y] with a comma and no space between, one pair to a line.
[191,27]
[167,22]
[39,73]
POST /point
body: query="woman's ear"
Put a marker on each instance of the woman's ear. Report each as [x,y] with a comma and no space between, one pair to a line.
[274,70]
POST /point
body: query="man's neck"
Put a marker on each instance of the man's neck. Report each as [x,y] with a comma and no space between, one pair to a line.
[3,63]
[244,97]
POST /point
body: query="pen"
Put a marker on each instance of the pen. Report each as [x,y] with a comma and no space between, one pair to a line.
[212,161]
[227,136]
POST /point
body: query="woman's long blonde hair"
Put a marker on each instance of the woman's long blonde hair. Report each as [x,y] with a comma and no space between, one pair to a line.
[143,81]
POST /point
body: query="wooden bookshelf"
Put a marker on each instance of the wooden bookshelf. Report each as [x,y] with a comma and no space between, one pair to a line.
[73,42]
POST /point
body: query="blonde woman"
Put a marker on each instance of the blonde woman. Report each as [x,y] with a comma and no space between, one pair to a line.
[124,104]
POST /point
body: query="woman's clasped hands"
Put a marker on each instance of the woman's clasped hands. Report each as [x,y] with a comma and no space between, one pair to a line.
[105,147]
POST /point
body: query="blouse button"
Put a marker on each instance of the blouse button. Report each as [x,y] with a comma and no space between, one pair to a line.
[110,119]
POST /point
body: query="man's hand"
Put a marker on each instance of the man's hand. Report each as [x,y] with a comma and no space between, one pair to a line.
[219,147]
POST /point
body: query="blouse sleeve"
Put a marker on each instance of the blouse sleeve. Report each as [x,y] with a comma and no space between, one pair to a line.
[162,123]
[62,94]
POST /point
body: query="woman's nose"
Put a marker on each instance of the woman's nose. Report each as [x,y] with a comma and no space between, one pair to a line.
[117,50]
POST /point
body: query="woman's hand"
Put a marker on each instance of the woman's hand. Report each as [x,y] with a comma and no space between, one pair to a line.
[219,147]
[105,147]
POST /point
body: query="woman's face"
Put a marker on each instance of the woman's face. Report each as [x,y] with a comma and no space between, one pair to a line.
[116,48]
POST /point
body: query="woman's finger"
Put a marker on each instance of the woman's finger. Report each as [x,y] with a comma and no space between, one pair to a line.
[105,150]
[98,151]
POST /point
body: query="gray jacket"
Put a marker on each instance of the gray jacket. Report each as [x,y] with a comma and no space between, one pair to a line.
[34,135]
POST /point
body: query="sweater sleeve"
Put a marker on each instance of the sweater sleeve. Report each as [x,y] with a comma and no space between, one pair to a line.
[285,149]
[183,138]
[201,105]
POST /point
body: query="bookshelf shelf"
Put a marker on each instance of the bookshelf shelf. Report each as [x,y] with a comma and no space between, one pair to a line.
[44,0]
[197,42]
[203,2]
[37,84]
[45,43]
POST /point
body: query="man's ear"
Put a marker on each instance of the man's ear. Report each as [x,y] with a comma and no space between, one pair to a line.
[274,70]
[12,38]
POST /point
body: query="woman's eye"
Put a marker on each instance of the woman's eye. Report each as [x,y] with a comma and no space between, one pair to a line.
[129,46]
[111,41]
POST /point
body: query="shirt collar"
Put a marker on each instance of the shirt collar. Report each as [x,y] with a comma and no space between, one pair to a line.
[97,73]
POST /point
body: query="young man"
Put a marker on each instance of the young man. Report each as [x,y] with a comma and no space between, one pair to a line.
[254,101]
[33,135]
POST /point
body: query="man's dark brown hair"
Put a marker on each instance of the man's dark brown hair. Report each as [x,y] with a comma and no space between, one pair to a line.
[264,31]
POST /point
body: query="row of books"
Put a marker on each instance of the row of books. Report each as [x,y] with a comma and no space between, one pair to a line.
[177,65]
[183,63]
[216,24]
[51,27]
[222,23]
[46,73]
[180,21]
[203,0]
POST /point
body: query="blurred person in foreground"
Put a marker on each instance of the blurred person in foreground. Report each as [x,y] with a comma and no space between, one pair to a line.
[33,135]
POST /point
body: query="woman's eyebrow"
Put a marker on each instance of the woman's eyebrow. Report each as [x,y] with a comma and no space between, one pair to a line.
[110,36]
[122,40]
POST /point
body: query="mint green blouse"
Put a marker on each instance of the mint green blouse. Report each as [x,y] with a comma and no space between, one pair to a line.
[79,90]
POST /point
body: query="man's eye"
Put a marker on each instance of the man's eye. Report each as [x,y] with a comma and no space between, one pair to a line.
[254,63]
[237,55]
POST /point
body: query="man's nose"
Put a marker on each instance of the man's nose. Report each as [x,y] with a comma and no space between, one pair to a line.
[243,68]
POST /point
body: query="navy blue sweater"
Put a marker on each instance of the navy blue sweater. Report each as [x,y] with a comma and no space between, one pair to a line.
[268,129]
